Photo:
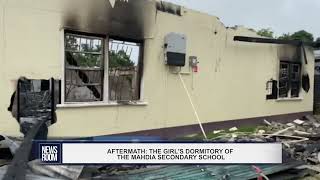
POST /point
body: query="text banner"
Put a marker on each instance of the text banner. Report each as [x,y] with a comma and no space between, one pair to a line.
[161,153]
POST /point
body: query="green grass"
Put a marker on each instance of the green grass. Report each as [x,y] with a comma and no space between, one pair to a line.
[211,135]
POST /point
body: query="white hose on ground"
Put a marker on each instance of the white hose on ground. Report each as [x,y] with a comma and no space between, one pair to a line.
[193,107]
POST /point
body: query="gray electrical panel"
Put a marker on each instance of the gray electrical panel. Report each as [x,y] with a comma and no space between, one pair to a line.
[175,46]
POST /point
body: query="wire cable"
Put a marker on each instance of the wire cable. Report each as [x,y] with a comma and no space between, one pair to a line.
[193,107]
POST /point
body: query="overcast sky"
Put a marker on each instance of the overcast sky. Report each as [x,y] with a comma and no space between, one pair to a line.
[282,16]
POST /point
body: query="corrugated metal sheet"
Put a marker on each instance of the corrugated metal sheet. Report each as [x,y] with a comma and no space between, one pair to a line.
[234,172]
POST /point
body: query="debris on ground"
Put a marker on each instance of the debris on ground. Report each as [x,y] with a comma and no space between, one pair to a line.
[218,131]
[300,139]
[298,121]
[6,142]
[301,154]
[62,172]
[233,129]
[290,124]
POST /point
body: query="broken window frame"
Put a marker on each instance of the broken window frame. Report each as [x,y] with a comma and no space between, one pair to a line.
[140,70]
[102,67]
[105,88]
[289,80]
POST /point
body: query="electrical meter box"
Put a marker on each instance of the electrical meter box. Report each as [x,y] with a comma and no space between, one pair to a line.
[175,48]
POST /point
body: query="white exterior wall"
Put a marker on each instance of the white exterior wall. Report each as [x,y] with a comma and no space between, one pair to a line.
[230,84]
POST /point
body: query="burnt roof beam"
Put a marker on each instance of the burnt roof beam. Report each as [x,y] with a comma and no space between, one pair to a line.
[276,41]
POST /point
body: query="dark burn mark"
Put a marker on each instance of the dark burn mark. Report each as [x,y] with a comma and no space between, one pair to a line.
[133,19]
[169,8]
[2,138]
[12,101]
[5,153]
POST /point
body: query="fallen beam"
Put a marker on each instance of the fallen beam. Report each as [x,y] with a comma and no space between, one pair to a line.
[280,132]
[18,167]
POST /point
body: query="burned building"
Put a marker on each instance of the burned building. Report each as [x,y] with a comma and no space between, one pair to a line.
[146,67]
[317,82]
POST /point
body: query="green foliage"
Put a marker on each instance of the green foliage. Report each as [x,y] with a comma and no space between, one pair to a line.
[119,59]
[299,35]
[116,59]
[302,35]
[87,60]
[266,33]
[85,57]
[285,36]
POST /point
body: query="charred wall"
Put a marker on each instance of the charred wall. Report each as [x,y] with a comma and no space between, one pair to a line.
[133,19]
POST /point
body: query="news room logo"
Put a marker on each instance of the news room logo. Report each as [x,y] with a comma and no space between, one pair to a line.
[50,153]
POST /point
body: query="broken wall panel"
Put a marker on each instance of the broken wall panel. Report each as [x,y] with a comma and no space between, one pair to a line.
[35,101]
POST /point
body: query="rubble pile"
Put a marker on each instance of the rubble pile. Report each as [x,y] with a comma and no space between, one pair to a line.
[300,139]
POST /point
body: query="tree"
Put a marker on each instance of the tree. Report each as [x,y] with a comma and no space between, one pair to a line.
[302,35]
[266,32]
[285,36]
[119,59]
[299,35]
[83,53]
